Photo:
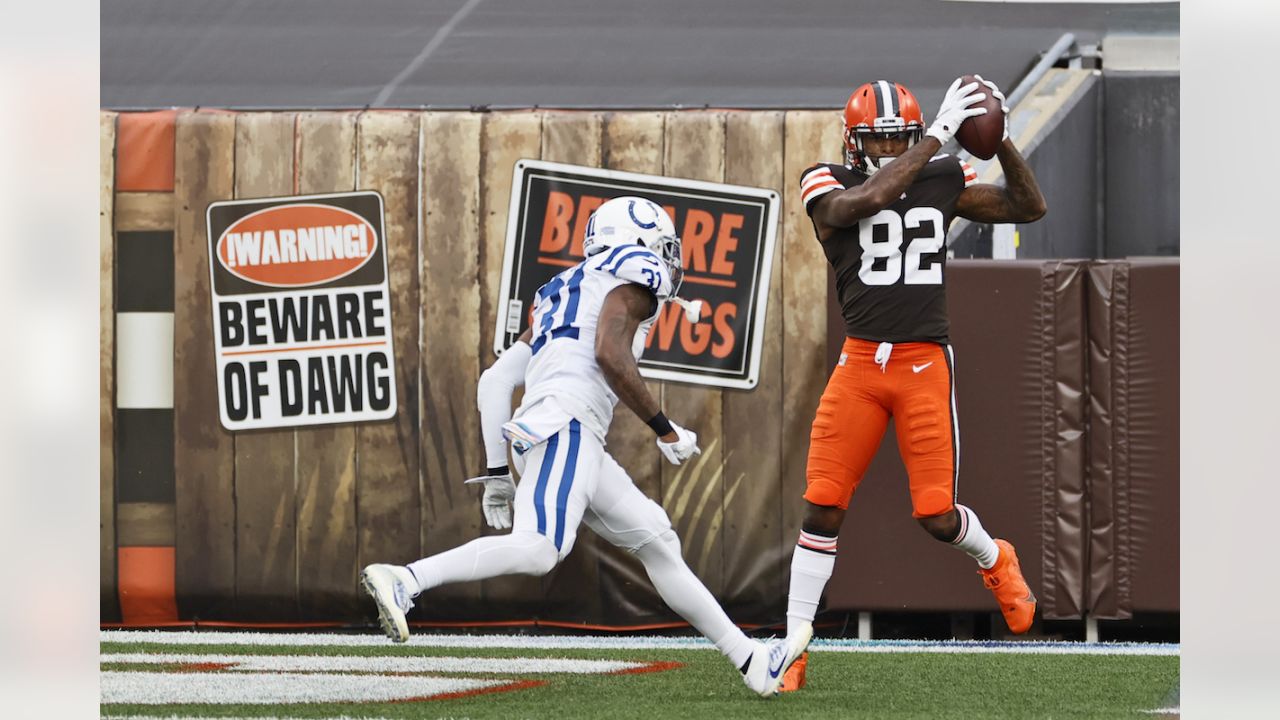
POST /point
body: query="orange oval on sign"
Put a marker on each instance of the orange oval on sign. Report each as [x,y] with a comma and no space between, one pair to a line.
[297,245]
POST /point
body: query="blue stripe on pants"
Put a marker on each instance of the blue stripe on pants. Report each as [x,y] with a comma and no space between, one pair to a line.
[540,490]
[570,467]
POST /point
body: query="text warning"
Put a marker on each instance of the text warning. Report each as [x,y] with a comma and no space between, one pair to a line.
[301,311]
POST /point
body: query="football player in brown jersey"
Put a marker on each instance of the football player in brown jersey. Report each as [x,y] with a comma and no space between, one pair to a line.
[882,218]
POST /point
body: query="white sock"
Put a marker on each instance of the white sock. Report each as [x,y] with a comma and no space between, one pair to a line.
[811,566]
[524,553]
[973,539]
[685,593]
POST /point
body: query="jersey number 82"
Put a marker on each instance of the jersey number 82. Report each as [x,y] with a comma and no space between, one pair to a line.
[887,254]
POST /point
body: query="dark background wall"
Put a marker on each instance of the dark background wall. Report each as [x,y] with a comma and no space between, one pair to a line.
[1066,166]
[1143,163]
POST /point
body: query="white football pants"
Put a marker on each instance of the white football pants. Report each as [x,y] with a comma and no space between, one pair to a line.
[570,479]
[567,480]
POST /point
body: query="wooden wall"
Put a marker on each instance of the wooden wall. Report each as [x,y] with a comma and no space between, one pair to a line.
[273,525]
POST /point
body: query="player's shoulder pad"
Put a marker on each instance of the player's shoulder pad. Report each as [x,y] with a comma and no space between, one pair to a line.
[954,164]
[635,264]
[816,181]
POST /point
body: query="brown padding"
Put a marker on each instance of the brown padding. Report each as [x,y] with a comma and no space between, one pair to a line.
[144,151]
[1133,453]
[1063,436]
[1017,333]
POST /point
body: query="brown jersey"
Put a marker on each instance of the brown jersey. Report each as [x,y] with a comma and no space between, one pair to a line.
[889,267]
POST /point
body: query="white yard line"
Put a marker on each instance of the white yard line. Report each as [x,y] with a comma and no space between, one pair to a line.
[152,688]
[591,642]
[375,664]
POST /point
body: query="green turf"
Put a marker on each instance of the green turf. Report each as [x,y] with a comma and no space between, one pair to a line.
[840,685]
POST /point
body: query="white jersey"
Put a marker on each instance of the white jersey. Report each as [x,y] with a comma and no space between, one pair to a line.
[563,340]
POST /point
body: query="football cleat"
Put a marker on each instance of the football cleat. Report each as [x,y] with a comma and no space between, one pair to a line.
[770,661]
[793,678]
[765,668]
[388,585]
[797,658]
[1005,581]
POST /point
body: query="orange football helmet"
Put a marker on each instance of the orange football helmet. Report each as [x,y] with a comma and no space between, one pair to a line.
[881,108]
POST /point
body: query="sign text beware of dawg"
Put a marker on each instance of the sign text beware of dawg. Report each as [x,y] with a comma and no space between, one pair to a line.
[301,310]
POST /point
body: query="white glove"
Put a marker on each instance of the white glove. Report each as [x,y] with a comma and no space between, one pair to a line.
[955,110]
[995,93]
[499,490]
[685,446]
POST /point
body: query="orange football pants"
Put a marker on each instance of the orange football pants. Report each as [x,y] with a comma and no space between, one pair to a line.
[911,382]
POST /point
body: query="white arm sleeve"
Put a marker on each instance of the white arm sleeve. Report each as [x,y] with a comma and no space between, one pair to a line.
[493,397]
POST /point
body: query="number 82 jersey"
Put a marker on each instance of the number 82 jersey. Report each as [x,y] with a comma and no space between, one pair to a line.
[889,267]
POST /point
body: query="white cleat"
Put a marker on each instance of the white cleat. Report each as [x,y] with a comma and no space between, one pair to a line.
[765,668]
[799,642]
[388,585]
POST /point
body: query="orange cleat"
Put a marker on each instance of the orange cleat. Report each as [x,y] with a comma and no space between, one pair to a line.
[1005,581]
[794,678]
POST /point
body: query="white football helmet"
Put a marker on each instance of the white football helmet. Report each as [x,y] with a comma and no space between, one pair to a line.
[630,220]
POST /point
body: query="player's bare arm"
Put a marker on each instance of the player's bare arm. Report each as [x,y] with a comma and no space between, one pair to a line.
[625,307]
[845,208]
[1019,202]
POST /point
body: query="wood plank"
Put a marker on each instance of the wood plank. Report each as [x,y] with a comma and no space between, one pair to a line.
[388,499]
[108,605]
[572,137]
[326,459]
[146,524]
[265,482]
[811,137]
[450,346]
[505,138]
[572,592]
[757,555]
[203,452]
[633,141]
[144,211]
[693,493]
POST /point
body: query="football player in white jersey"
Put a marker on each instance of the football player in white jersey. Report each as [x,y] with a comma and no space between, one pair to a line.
[577,360]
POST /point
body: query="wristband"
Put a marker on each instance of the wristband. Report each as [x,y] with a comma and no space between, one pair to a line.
[501,470]
[660,424]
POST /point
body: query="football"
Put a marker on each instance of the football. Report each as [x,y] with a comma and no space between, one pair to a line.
[982,135]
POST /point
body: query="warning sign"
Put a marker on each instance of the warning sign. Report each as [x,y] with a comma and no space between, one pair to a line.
[301,311]
[727,232]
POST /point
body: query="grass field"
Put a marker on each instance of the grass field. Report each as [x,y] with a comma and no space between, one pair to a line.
[188,675]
